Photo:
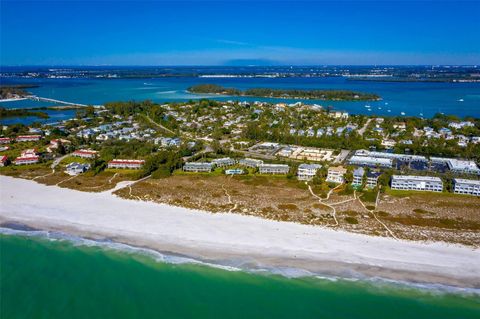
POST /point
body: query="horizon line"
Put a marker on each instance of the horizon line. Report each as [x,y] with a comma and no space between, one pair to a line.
[226,65]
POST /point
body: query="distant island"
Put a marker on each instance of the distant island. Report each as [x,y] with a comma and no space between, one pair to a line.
[14,91]
[5,113]
[326,95]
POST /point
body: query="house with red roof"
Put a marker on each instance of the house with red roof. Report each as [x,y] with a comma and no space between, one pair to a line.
[3,160]
[85,153]
[126,163]
[5,140]
[28,138]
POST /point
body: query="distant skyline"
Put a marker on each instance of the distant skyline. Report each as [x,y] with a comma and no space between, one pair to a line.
[239,33]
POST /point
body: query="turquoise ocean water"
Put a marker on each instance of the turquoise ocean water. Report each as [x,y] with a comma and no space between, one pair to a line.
[41,278]
[411,98]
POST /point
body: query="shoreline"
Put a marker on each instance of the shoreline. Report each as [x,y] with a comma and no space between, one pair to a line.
[235,240]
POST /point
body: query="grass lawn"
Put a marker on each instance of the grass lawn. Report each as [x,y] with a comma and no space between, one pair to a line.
[424,194]
[369,196]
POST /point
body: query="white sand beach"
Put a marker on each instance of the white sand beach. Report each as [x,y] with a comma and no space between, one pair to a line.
[235,240]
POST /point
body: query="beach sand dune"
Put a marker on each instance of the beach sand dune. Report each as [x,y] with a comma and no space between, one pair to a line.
[235,240]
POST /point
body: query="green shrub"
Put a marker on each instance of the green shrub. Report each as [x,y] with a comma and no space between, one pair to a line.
[423,211]
[351,220]
[161,172]
[383,214]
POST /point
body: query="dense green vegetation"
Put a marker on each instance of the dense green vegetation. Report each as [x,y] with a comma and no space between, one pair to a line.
[328,95]
[4,113]
[9,91]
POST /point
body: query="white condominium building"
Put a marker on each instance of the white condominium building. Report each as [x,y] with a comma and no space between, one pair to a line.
[358,176]
[466,186]
[370,161]
[457,165]
[222,162]
[250,162]
[274,169]
[417,183]
[336,174]
[198,167]
[306,172]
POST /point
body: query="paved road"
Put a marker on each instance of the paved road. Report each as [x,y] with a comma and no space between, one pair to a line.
[159,125]
[364,128]
[58,160]
[342,156]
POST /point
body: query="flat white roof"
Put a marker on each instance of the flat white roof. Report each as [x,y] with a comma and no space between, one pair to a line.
[390,155]
[198,163]
[417,178]
[456,164]
[222,159]
[467,181]
[309,166]
[371,160]
[274,165]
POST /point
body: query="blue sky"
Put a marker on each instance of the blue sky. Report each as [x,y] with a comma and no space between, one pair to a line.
[245,32]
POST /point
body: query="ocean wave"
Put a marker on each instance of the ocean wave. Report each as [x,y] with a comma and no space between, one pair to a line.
[232,265]
[112,245]
[166,92]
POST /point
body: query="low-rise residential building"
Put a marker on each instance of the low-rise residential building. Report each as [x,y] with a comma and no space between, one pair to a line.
[465,167]
[28,138]
[358,176]
[306,172]
[389,143]
[250,162]
[168,141]
[461,124]
[56,142]
[417,183]
[198,167]
[370,161]
[339,115]
[372,179]
[274,169]
[466,186]
[75,168]
[458,166]
[3,160]
[126,163]
[85,153]
[222,162]
[336,175]
[5,140]
[402,157]
[236,171]
[27,157]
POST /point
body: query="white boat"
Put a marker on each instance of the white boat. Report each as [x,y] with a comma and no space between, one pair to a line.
[402,113]
[460,100]
[389,111]
[367,106]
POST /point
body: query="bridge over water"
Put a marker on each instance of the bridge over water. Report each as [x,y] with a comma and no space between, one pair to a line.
[45,99]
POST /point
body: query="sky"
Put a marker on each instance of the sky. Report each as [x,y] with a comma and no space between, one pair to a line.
[239,32]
